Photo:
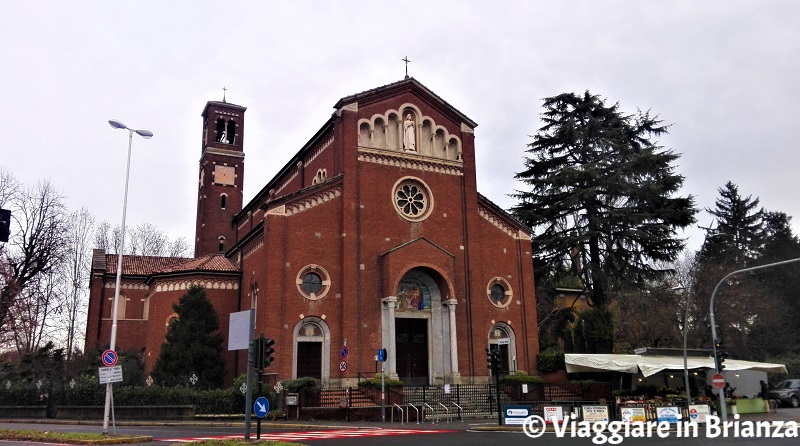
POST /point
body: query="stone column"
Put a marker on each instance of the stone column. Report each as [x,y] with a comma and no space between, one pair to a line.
[389,336]
[451,305]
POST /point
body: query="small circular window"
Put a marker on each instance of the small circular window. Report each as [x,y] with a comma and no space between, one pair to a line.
[499,292]
[313,282]
[412,199]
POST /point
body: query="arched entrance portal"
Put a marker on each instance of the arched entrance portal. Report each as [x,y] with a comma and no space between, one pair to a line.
[419,330]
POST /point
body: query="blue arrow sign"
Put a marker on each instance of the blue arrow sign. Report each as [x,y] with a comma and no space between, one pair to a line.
[261,407]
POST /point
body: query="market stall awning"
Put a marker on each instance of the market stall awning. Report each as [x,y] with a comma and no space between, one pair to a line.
[650,364]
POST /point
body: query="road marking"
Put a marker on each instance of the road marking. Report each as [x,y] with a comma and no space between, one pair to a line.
[314,435]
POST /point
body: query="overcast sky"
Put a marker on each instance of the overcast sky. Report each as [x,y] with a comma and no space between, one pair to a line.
[723,73]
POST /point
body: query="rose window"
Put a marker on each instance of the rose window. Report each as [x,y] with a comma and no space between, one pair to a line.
[412,199]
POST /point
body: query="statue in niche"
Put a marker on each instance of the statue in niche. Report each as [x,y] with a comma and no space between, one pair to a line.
[409,139]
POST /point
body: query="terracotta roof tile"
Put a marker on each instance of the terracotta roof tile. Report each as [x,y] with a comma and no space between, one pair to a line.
[214,262]
[147,265]
[141,265]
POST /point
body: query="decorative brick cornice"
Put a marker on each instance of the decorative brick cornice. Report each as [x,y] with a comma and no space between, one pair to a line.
[410,161]
[286,182]
[500,224]
[253,246]
[314,200]
[126,285]
[207,284]
[318,150]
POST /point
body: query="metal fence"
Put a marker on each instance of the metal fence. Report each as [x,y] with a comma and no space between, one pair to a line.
[456,401]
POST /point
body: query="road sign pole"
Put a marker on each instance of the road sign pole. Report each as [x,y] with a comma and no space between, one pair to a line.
[248,405]
[383,394]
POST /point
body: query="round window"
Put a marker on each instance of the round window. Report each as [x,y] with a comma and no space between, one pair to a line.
[412,199]
[499,292]
[313,282]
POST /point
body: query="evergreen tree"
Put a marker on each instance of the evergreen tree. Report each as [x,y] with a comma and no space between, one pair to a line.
[738,238]
[602,196]
[193,344]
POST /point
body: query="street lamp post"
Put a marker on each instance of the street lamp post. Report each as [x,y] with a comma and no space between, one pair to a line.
[722,409]
[146,134]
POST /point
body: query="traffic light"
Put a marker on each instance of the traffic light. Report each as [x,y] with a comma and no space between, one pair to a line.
[267,351]
[262,352]
[721,355]
[493,360]
[721,360]
[5,224]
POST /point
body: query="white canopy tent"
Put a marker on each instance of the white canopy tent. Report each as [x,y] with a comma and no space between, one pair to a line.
[652,364]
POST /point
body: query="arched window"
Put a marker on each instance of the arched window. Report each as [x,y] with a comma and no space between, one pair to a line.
[221,244]
[222,200]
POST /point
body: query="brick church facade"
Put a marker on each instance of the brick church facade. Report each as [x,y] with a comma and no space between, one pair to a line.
[373,235]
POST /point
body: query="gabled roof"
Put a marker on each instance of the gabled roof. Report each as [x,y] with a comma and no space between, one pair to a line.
[397,87]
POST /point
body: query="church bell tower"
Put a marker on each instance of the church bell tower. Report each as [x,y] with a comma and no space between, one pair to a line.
[219,195]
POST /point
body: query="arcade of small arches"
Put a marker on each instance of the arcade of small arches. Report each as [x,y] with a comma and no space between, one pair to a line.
[422,136]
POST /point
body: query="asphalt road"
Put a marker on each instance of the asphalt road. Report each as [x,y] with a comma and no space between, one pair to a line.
[424,434]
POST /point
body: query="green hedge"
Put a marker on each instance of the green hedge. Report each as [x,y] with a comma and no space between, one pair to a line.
[375,382]
[521,377]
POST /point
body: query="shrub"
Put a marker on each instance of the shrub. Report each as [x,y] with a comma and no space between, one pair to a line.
[521,377]
[299,384]
[375,382]
[550,361]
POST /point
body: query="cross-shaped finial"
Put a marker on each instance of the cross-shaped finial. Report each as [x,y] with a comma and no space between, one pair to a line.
[224,90]
[405,59]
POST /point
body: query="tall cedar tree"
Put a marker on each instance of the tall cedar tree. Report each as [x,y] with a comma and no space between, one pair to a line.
[602,196]
[192,345]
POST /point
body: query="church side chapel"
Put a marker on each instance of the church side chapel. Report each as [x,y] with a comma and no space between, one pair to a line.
[372,236]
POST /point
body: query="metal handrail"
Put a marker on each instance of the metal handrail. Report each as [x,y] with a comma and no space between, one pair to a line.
[449,418]
[460,411]
[433,413]
[416,410]
[401,413]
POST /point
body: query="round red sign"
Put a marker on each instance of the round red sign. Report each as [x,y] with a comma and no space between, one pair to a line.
[718,381]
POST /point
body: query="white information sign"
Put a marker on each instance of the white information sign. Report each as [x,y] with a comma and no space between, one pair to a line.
[238,331]
[595,413]
[107,375]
